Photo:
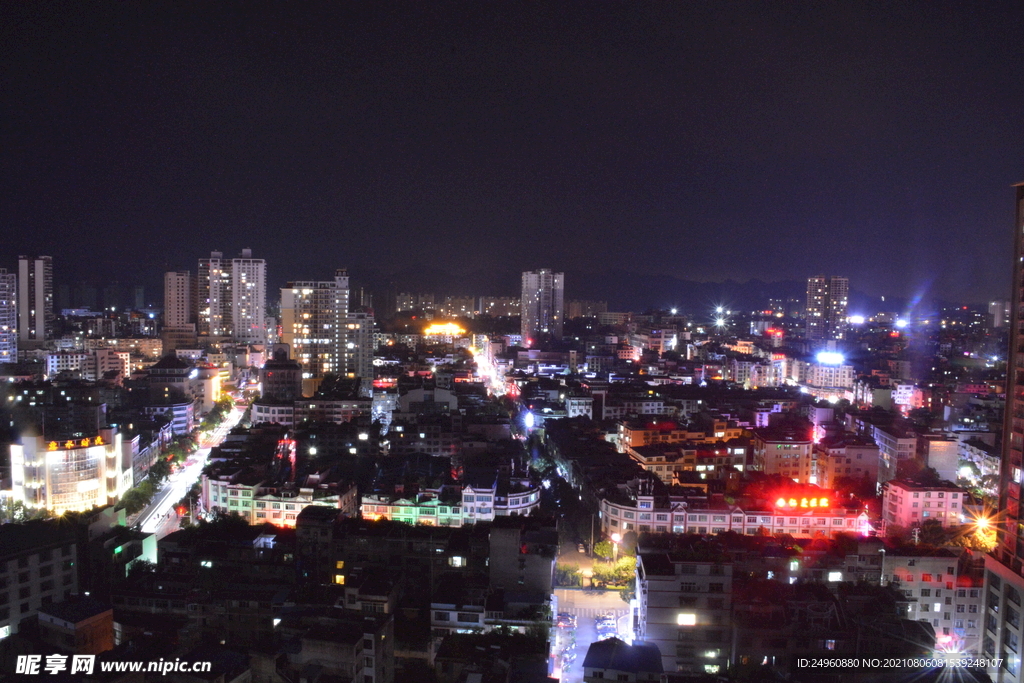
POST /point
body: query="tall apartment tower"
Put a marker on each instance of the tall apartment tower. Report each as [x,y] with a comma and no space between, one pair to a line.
[313,322]
[249,298]
[1004,568]
[232,297]
[358,351]
[542,304]
[827,302]
[35,299]
[213,295]
[8,317]
[178,298]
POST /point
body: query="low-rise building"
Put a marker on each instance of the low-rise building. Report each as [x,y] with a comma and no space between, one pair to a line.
[455,505]
[848,456]
[258,499]
[909,503]
[941,589]
[37,567]
[787,450]
[801,517]
[613,660]
[684,605]
[664,460]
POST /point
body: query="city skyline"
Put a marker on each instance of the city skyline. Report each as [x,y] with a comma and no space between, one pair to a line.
[869,143]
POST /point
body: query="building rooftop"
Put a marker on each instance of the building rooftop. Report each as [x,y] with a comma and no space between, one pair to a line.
[19,538]
[170,362]
[923,485]
[76,610]
[616,655]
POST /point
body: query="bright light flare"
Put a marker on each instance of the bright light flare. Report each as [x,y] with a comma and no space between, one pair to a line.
[855,320]
[830,358]
[440,329]
[901,323]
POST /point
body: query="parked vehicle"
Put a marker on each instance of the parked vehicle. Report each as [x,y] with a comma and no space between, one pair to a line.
[565,620]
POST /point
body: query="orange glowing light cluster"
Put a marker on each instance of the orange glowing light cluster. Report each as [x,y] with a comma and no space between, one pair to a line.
[443,329]
[802,503]
[68,445]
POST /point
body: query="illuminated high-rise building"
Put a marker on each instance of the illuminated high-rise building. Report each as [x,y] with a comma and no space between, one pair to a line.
[358,351]
[178,299]
[232,297]
[35,299]
[827,302]
[8,317]
[313,323]
[542,304]
[1004,569]
[213,294]
[249,298]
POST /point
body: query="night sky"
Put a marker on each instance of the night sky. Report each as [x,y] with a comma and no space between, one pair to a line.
[700,140]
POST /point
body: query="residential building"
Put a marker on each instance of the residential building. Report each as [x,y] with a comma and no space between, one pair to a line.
[179,330]
[455,506]
[909,503]
[664,460]
[37,568]
[797,517]
[585,309]
[35,299]
[358,349]
[213,295]
[499,306]
[941,590]
[613,660]
[787,450]
[314,325]
[249,299]
[258,500]
[1004,569]
[684,604]
[827,302]
[542,304]
[280,376]
[81,625]
[178,299]
[847,456]
[232,297]
[8,317]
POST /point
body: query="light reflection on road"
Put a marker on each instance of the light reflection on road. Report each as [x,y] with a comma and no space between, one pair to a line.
[153,519]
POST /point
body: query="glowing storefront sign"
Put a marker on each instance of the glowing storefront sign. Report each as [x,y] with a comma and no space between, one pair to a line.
[802,503]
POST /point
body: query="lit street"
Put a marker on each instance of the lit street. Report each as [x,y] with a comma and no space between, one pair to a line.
[586,606]
[159,517]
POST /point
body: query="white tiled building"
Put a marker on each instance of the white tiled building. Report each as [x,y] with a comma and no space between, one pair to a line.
[909,504]
[674,515]
[684,608]
[939,595]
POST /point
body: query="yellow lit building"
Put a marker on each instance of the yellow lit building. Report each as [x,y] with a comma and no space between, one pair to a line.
[71,474]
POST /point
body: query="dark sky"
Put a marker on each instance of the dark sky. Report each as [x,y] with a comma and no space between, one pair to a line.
[702,140]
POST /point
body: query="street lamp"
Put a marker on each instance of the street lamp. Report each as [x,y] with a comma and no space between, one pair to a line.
[616,539]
